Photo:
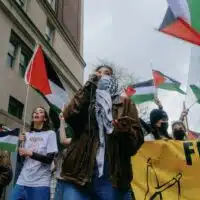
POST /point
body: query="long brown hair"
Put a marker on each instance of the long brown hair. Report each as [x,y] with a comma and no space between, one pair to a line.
[46,123]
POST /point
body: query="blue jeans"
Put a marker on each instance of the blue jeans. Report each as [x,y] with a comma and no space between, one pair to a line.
[101,189]
[30,193]
[65,190]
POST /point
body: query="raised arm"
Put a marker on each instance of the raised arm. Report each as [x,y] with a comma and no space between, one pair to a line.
[64,140]
[75,113]
[184,114]
[158,103]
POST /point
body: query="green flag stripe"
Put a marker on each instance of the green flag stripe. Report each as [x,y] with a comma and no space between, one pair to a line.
[171,87]
[196,91]
[138,99]
[194,6]
[8,147]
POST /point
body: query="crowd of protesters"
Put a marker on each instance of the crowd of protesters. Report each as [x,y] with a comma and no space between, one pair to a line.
[99,133]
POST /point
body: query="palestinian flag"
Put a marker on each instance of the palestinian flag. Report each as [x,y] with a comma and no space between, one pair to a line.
[196,91]
[193,135]
[9,139]
[42,77]
[141,92]
[165,82]
[182,20]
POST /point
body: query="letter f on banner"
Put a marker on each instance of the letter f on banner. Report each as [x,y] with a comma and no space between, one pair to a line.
[188,152]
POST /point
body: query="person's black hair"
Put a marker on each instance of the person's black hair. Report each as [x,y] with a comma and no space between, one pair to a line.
[178,123]
[156,115]
[46,123]
[104,66]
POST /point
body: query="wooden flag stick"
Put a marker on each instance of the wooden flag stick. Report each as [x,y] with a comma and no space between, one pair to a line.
[27,94]
[185,117]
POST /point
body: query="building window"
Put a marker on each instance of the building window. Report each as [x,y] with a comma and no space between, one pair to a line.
[11,53]
[49,34]
[15,107]
[23,64]
[21,2]
[52,3]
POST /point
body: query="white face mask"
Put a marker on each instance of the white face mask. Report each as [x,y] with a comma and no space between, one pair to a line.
[104,82]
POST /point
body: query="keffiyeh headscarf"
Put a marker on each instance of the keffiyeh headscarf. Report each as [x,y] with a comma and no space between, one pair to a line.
[106,94]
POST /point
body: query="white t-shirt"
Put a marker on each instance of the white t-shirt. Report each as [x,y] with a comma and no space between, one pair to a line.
[35,173]
[149,137]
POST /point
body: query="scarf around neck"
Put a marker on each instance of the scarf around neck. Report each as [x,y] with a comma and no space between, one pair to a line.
[106,94]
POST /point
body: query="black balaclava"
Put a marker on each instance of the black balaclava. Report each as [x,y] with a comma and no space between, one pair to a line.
[179,134]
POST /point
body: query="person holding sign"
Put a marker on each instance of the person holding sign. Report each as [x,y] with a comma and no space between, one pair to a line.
[40,146]
[107,132]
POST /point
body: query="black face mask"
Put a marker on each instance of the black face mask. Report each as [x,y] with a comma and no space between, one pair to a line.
[179,134]
[164,127]
[163,130]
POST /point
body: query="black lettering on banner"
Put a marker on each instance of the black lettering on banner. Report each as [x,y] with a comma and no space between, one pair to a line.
[198,147]
[188,152]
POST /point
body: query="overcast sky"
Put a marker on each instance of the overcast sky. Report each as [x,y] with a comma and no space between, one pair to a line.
[124,32]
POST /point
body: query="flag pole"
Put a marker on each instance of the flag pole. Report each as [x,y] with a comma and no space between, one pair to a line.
[156,91]
[27,94]
[192,105]
[186,117]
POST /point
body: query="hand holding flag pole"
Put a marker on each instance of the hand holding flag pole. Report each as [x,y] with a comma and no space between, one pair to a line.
[158,103]
[156,91]
[27,95]
[25,113]
[184,115]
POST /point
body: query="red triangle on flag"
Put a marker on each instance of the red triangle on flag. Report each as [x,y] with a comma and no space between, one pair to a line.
[130,91]
[159,79]
[36,73]
[181,29]
[193,135]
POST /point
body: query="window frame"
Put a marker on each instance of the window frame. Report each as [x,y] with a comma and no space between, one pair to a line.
[52,32]
[18,107]
[22,66]
[21,3]
[9,54]
[52,4]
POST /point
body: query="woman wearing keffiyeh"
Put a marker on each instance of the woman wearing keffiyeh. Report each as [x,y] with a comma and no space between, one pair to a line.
[107,133]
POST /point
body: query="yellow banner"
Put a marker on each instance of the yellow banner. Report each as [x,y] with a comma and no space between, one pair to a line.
[167,170]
